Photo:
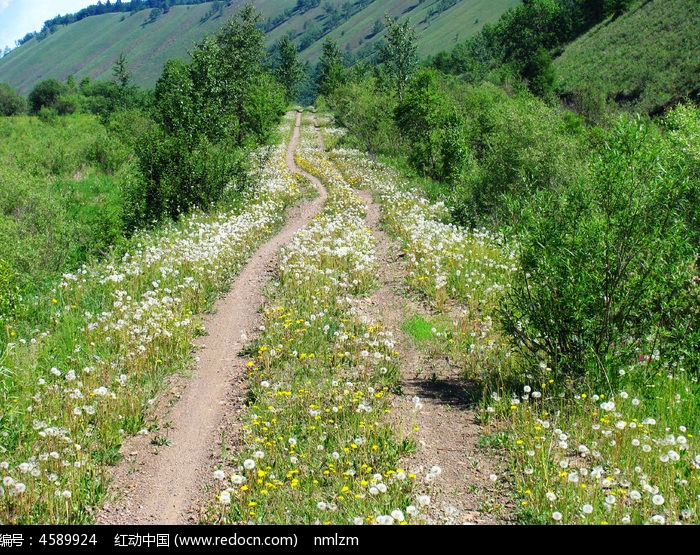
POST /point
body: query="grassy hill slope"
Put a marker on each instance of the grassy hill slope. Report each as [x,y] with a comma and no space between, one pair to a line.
[436,30]
[90,47]
[646,59]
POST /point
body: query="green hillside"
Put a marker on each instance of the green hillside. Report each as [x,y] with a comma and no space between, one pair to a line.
[644,60]
[90,47]
[439,23]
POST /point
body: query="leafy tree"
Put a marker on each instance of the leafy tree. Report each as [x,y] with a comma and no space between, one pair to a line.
[533,25]
[174,95]
[46,94]
[11,102]
[242,56]
[289,71]
[122,76]
[366,110]
[420,116]
[540,74]
[398,54]
[331,68]
[208,112]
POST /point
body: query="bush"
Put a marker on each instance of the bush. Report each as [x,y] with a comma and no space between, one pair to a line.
[521,145]
[608,271]
[177,178]
[46,94]
[11,102]
[366,112]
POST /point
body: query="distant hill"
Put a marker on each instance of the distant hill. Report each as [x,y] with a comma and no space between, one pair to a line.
[89,47]
[644,60]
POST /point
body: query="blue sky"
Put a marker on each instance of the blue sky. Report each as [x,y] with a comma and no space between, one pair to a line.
[19,17]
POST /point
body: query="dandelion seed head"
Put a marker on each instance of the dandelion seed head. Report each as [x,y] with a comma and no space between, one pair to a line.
[398,515]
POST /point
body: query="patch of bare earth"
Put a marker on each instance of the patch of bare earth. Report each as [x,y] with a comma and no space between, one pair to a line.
[445,427]
[163,478]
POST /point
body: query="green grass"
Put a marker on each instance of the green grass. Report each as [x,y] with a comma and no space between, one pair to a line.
[60,196]
[91,46]
[418,328]
[647,58]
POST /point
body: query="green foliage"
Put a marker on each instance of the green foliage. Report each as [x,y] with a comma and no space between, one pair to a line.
[331,71]
[60,198]
[121,74]
[104,98]
[608,273]
[207,111]
[540,74]
[46,94]
[420,117]
[367,112]
[398,53]
[11,102]
[289,70]
[519,145]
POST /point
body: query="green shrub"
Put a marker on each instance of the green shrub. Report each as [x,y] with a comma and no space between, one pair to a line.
[46,94]
[520,145]
[608,273]
[366,112]
[11,102]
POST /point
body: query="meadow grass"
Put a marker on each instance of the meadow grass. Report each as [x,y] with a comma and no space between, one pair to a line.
[60,195]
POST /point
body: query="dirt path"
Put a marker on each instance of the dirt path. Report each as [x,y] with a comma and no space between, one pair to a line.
[162,484]
[447,429]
